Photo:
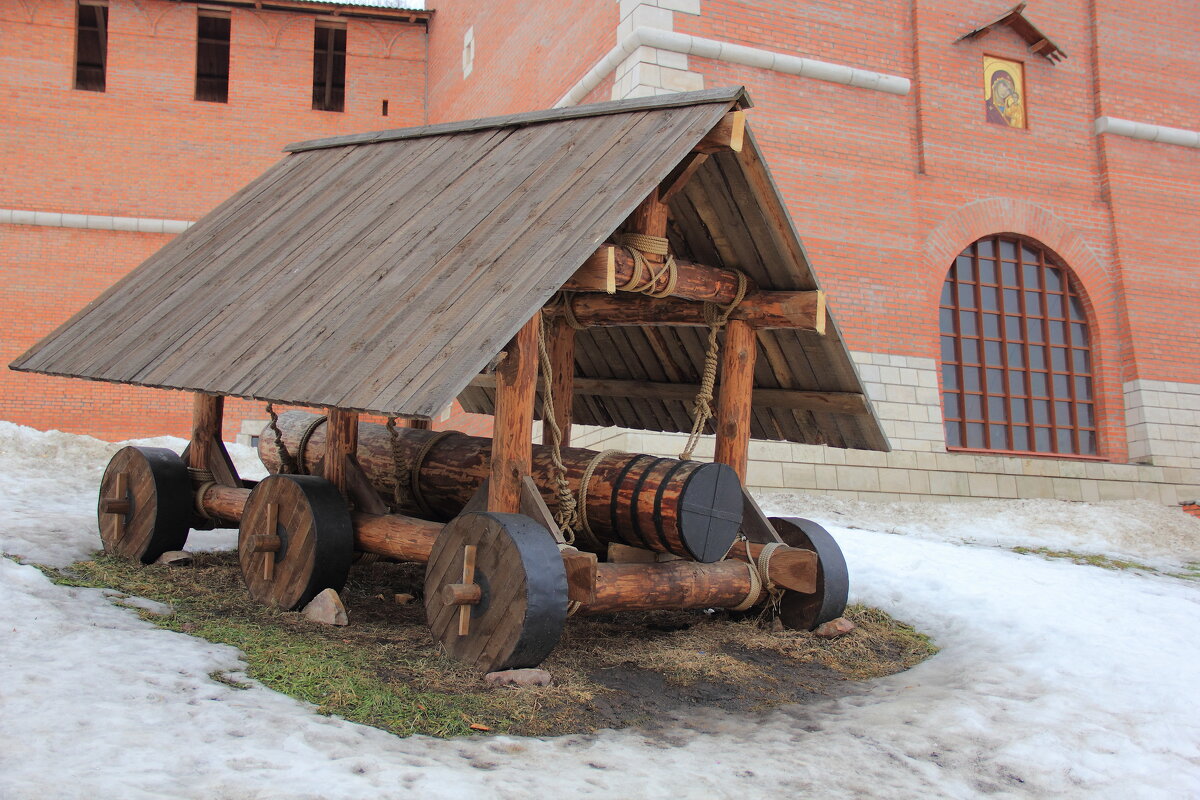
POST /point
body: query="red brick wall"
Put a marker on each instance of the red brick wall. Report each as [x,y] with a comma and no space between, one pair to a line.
[527,55]
[145,148]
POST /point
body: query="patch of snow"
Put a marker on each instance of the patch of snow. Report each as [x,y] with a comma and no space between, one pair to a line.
[1054,680]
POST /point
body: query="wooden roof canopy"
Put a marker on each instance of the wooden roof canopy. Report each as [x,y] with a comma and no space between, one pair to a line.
[384,272]
[1015,18]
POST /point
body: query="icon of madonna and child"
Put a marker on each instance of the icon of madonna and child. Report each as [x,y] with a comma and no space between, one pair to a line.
[1003,91]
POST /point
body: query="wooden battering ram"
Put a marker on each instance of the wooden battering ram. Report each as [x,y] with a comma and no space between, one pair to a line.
[501,576]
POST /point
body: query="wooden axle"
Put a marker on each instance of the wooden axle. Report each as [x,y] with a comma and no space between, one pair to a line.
[760,310]
[611,267]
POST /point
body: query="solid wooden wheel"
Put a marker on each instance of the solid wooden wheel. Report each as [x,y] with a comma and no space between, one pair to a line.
[145,505]
[806,611]
[296,540]
[505,610]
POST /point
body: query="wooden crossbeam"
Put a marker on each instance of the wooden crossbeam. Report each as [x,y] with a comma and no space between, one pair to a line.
[795,399]
[610,267]
[728,134]
[760,310]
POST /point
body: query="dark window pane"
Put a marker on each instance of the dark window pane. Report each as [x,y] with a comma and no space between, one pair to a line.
[973,406]
[1084,412]
[1033,304]
[1077,309]
[1041,412]
[951,407]
[1008,250]
[91,47]
[948,353]
[1087,443]
[1083,388]
[970,376]
[212,58]
[1012,329]
[996,409]
[966,295]
[1037,357]
[946,320]
[991,325]
[964,268]
[998,437]
[1020,438]
[1079,334]
[1081,361]
[1054,281]
[995,355]
[1065,445]
[329,68]
[1009,273]
[1016,383]
[1016,356]
[1054,305]
[1058,358]
[989,298]
[1038,384]
[1058,332]
[953,435]
[975,434]
[995,381]
[984,248]
[1018,411]
[949,377]
[1029,255]
[1041,440]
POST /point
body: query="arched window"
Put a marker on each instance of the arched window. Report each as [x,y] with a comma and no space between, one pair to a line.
[1016,365]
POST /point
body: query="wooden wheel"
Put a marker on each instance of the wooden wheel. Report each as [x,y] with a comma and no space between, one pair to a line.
[296,540]
[806,611]
[496,591]
[145,506]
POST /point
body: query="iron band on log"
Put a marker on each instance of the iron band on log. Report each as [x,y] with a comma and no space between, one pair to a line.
[687,508]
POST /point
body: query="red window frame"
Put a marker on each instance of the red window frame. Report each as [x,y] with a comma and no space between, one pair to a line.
[1017,367]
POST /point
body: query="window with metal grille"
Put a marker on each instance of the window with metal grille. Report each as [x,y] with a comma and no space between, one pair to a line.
[1016,363]
[91,45]
[212,57]
[329,68]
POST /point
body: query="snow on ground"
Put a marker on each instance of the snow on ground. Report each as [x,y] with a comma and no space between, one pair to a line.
[1054,680]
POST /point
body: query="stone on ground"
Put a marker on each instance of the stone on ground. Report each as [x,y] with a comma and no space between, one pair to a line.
[176,558]
[834,628]
[518,677]
[327,608]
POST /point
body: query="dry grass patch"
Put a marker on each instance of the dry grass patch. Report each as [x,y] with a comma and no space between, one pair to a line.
[611,671]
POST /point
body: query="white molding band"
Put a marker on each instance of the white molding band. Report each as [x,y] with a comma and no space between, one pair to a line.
[733,54]
[95,222]
[1150,133]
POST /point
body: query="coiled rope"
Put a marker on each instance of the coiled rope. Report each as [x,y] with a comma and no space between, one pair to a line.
[645,277]
[716,316]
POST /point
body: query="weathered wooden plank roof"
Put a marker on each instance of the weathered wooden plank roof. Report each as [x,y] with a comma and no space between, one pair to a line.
[382,272]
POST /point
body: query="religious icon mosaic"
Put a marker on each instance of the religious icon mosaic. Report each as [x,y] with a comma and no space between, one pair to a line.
[1004,91]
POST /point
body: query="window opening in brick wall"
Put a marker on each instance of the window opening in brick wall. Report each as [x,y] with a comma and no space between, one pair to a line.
[1016,363]
[329,68]
[91,45]
[212,57]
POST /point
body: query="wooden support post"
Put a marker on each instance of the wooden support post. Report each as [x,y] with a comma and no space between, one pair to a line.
[206,451]
[512,442]
[650,217]
[733,404]
[561,345]
[341,444]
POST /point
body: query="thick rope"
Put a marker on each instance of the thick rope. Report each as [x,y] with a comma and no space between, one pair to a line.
[565,516]
[755,590]
[287,464]
[414,478]
[305,435]
[590,539]
[760,576]
[716,316]
[639,245]
[199,498]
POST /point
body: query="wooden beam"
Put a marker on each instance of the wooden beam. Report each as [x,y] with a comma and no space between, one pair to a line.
[341,444]
[728,134]
[795,399]
[760,310]
[206,451]
[610,267]
[561,347]
[512,441]
[733,407]
[673,184]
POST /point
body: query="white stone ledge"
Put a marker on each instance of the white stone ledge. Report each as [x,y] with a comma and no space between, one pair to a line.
[95,222]
[685,44]
[1150,133]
